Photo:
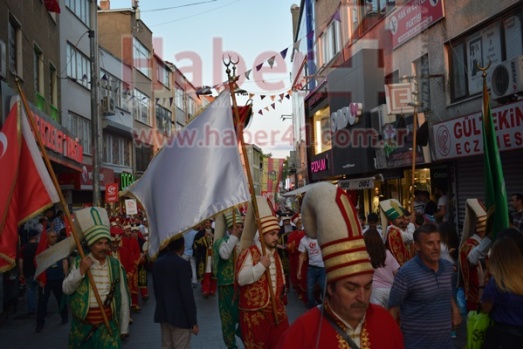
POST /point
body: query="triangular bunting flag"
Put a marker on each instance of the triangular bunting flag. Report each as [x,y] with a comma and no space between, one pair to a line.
[266,108]
[336,16]
[260,112]
[251,95]
[288,96]
[259,66]
[262,97]
[281,95]
[247,73]
[284,53]
[272,97]
[280,100]
[273,105]
[297,44]
[271,61]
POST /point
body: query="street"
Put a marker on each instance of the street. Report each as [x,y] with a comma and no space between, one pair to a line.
[19,330]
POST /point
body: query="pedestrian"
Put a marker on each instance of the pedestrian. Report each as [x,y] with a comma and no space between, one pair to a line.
[88,329]
[59,221]
[399,236]
[443,213]
[52,282]
[373,220]
[310,250]
[227,234]
[422,294]
[503,295]
[419,203]
[26,268]
[385,267]
[202,248]
[188,253]
[132,245]
[263,317]
[293,243]
[346,319]
[471,258]
[175,306]
[517,215]
[430,206]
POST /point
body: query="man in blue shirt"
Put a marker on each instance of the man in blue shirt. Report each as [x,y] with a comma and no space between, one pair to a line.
[421,295]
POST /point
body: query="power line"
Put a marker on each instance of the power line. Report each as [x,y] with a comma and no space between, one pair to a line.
[179,6]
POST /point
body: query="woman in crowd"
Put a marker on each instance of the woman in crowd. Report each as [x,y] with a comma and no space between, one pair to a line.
[385,267]
[503,295]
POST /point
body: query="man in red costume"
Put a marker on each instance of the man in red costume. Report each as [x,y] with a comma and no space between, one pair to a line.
[261,281]
[131,244]
[346,319]
[293,242]
[399,234]
[471,257]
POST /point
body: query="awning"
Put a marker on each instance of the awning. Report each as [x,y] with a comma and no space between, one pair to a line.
[357,184]
[300,190]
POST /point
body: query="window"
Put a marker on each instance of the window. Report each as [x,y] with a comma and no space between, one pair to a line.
[178,98]
[191,106]
[144,156]
[422,73]
[366,13]
[78,66]
[116,150]
[322,130]
[38,66]
[163,120]
[141,58]
[497,41]
[81,9]
[331,41]
[53,85]
[162,74]
[15,46]
[141,105]
[125,96]
[80,128]
[111,86]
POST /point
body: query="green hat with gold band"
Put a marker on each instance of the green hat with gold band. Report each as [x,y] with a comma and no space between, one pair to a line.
[94,223]
[392,209]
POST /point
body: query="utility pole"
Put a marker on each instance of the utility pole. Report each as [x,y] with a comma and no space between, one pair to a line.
[95,122]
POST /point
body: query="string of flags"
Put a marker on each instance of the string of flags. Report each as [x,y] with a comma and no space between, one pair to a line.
[278,97]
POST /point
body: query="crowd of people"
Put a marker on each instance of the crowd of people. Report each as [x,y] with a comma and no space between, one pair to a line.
[365,285]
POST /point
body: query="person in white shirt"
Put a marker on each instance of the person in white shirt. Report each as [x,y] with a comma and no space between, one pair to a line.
[443,213]
[309,248]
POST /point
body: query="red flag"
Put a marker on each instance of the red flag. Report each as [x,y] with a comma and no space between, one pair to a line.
[52,6]
[28,188]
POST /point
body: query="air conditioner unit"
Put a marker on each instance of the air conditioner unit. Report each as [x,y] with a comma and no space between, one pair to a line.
[107,105]
[3,60]
[507,78]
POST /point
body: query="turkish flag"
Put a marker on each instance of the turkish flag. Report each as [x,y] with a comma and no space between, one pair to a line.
[52,6]
[27,188]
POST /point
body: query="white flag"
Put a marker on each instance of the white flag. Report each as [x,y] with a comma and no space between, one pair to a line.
[196,176]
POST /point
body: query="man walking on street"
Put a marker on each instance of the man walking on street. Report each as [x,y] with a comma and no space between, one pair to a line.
[310,250]
[263,318]
[422,294]
[88,329]
[226,250]
[175,306]
[27,270]
[517,216]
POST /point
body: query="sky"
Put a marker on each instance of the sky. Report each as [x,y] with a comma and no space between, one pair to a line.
[201,31]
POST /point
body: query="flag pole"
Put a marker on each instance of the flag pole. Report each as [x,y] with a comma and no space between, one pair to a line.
[232,78]
[61,196]
[414,103]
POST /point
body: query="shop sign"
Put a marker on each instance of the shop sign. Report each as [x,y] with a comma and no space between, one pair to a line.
[126,179]
[412,18]
[357,184]
[111,192]
[346,116]
[398,97]
[106,176]
[463,137]
[319,165]
[58,141]
[131,207]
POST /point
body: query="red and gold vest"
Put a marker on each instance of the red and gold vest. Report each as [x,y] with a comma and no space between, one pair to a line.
[256,296]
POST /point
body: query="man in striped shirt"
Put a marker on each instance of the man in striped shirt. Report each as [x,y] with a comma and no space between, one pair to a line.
[421,295]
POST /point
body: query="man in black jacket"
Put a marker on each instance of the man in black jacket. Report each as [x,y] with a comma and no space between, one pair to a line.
[175,305]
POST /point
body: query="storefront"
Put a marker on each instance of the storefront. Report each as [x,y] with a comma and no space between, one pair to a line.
[459,141]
